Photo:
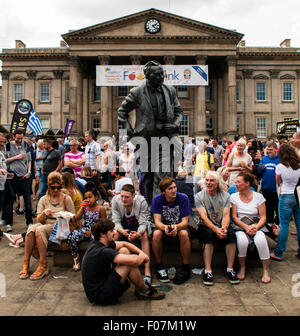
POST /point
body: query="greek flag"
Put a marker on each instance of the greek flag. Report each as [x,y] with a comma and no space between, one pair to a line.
[34,123]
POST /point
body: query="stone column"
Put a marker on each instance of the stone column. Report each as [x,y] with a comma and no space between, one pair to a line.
[220,121]
[5,97]
[79,101]
[275,101]
[230,121]
[297,91]
[248,102]
[30,86]
[57,99]
[200,106]
[104,100]
[85,101]
[74,91]
[169,59]
[135,60]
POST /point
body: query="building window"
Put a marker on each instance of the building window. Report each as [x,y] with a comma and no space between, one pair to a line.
[287,91]
[209,124]
[237,91]
[67,96]
[44,93]
[208,93]
[261,127]
[122,91]
[97,93]
[287,118]
[96,123]
[182,92]
[238,125]
[45,122]
[260,91]
[184,126]
[18,92]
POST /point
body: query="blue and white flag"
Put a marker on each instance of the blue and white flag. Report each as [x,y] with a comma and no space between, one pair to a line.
[34,123]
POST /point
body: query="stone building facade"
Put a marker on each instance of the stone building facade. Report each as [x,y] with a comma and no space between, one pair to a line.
[250,89]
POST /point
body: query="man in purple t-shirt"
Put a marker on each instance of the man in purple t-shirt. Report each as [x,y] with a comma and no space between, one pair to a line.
[171,211]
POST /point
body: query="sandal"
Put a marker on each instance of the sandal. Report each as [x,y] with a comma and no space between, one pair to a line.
[24,273]
[274,257]
[18,243]
[40,272]
[76,265]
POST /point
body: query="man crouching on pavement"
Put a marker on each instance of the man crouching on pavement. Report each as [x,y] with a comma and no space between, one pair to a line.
[107,265]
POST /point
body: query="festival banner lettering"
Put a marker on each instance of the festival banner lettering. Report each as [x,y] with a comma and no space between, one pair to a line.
[288,127]
[133,75]
[21,115]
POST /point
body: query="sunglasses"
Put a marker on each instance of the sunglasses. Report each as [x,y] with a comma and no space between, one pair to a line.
[55,187]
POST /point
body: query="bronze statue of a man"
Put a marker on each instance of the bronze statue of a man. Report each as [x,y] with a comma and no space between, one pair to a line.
[158,114]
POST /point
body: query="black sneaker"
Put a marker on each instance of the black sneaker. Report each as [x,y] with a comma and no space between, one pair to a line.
[181,277]
[162,275]
[151,294]
[233,279]
[208,279]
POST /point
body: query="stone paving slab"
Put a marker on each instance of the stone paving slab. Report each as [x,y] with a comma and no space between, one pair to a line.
[65,297]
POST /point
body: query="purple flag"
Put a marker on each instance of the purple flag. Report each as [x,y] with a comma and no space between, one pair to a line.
[69,127]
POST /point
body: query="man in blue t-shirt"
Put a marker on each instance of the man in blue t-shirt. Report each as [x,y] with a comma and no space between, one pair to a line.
[267,168]
[171,211]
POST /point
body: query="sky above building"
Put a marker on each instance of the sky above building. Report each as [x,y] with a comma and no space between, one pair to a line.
[41,23]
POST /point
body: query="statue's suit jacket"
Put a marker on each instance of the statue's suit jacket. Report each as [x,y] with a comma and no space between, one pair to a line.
[139,99]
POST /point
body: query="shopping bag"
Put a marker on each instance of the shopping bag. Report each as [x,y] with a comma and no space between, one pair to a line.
[62,226]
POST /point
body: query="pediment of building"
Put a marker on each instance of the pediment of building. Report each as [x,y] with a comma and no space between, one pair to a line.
[18,77]
[261,76]
[45,77]
[133,27]
[287,76]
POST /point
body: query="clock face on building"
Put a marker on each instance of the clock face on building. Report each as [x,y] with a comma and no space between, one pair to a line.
[152,26]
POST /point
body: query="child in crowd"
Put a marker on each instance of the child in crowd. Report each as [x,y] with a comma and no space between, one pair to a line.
[91,211]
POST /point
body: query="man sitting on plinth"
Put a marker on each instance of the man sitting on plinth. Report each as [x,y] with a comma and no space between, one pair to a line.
[130,213]
[171,211]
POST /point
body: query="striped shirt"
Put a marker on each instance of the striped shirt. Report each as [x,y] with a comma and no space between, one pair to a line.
[73,157]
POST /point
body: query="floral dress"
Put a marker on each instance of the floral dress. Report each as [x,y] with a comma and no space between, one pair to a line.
[77,235]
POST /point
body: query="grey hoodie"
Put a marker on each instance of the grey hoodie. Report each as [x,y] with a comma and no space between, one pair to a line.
[140,209]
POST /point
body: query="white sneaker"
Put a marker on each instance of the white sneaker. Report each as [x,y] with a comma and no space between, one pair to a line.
[8,228]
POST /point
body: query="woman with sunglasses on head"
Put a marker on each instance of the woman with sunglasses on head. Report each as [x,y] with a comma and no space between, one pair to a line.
[38,234]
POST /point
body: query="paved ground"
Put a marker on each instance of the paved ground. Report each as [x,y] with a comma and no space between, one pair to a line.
[65,296]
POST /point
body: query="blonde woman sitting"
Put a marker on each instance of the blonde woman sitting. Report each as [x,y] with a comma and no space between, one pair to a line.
[38,234]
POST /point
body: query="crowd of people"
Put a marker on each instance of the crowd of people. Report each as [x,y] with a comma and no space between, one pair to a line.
[242,191]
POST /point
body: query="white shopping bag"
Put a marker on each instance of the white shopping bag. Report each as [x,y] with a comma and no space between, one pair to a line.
[63,220]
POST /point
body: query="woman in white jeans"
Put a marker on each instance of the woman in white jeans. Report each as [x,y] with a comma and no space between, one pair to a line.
[252,204]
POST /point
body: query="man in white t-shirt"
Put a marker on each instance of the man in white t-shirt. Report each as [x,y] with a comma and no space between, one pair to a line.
[121,180]
[92,151]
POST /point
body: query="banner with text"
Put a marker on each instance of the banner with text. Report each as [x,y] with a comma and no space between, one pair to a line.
[287,127]
[133,75]
[21,115]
